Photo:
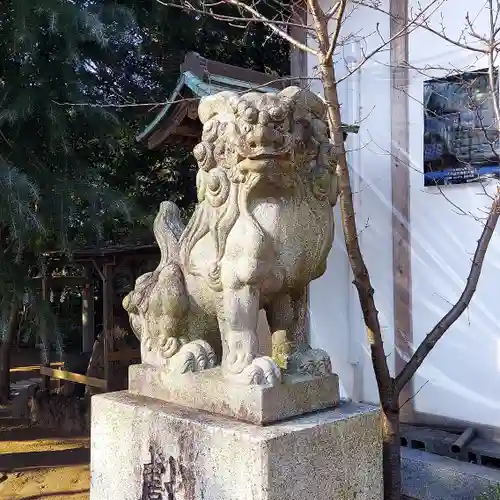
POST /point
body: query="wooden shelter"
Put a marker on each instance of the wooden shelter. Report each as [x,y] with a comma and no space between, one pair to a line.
[177,121]
[103,261]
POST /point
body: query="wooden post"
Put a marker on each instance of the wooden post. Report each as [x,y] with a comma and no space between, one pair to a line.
[88,311]
[401,217]
[107,319]
[298,58]
[45,344]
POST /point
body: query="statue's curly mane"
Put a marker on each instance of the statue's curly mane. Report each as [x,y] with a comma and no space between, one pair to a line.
[216,221]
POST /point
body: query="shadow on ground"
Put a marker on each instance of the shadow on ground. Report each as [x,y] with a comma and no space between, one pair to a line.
[65,494]
[42,459]
[38,463]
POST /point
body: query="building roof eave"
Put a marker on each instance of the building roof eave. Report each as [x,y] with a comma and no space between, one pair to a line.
[142,135]
[203,77]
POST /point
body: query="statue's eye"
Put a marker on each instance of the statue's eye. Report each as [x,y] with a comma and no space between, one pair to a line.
[251,115]
[276,114]
[246,128]
[264,117]
[209,126]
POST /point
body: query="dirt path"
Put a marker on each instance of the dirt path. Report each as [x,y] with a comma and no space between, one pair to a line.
[39,463]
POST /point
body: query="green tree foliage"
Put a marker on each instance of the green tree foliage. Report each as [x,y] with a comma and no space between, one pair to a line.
[61,166]
[46,49]
[149,75]
[71,75]
[48,151]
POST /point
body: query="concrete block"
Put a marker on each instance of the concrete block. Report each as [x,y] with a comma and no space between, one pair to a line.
[427,476]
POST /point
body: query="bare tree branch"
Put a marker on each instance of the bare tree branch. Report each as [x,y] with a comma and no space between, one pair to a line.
[257,16]
[462,303]
[375,6]
[338,26]
[155,104]
[208,11]
[406,30]
[334,8]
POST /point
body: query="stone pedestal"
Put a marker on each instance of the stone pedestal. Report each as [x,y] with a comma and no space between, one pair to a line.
[145,449]
[210,391]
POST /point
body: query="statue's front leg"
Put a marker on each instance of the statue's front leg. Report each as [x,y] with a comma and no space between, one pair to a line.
[280,318]
[238,324]
[238,317]
[244,269]
[301,358]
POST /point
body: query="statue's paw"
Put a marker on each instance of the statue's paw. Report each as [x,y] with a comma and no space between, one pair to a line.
[261,371]
[193,356]
[127,302]
[236,361]
[171,345]
[314,362]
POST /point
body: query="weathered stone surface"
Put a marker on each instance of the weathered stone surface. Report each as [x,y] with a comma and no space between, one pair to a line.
[58,411]
[426,476]
[261,232]
[212,391]
[143,447]
[21,392]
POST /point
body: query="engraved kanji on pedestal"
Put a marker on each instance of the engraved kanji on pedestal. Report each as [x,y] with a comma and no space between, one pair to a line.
[162,479]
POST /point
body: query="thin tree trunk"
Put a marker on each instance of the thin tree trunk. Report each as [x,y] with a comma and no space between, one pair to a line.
[391,440]
[361,277]
[362,282]
[5,351]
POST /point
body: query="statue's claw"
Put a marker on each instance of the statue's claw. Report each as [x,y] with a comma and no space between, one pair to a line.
[193,356]
[261,371]
[237,361]
[171,345]
[309,361]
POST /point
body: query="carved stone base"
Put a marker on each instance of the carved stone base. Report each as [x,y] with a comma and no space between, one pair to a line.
[145,449]
[210,391]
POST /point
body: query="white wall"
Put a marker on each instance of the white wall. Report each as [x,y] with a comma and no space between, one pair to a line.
[462,374]
[461,377]
[336,320]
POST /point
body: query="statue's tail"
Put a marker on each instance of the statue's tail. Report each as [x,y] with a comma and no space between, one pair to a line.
[168,228]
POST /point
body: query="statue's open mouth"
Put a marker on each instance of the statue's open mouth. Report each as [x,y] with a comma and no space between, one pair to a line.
[260,161]
[279,155]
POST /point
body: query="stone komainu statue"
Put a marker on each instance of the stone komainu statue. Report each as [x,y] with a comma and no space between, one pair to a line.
[261,231]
